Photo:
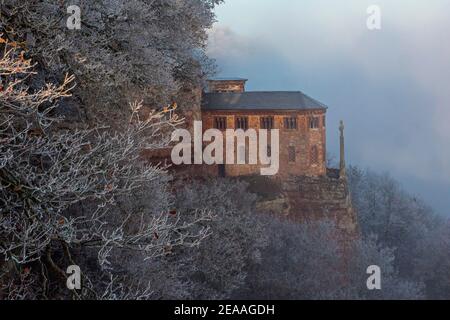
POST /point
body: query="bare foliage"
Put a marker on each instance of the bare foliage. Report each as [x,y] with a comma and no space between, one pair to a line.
[220,264]
[311,261]
[64,191]
[143,49]
[419,238]
[85,196]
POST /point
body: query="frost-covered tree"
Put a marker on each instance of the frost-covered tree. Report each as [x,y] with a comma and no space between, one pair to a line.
[313,261]
[79,197]
[367,252]
[220,264]
[420,239]
[125,50]
[300,262]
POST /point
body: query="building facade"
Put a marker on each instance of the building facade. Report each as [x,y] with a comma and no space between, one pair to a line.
[301,122]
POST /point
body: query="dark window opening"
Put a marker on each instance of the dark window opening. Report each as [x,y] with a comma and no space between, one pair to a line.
[242,155]
[242,123]
[291,154]
[221,169]
[290,123]
[220,123]
[324,121]
[267,123]
[314,122]
[314,155]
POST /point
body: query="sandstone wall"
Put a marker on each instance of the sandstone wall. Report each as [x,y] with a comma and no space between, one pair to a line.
[302,139]
[302,199]
[321,197]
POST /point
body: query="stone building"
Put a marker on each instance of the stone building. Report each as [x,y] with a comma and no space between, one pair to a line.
[304,188]
[308,190]
[300,119]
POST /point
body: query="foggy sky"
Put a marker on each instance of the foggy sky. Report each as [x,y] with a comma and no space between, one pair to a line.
[390,86]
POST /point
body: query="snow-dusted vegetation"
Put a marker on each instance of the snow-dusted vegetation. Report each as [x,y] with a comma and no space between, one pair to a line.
[78,107]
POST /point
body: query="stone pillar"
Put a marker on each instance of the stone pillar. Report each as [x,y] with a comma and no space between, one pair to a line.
[342,153]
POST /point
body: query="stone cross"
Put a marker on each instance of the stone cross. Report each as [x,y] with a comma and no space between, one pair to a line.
[342,147]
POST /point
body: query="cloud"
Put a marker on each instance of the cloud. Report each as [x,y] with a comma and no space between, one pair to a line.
[391,86]
[223,42]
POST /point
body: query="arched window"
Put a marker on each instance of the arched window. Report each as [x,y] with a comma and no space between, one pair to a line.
[242,123]
[220,123]
[267,123]
[313,122]
[314,155]
[291,154]
[242,155]
[290,123]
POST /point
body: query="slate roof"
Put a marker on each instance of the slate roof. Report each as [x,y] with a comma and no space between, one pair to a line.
[260,100]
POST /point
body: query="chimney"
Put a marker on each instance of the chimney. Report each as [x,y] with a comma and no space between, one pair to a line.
[219,85]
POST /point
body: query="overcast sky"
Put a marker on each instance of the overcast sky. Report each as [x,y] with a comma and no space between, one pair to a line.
[391,86]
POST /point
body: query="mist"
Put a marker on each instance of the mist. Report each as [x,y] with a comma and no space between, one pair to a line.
[390,86]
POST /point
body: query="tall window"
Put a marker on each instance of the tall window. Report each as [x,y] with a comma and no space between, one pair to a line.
[314,122]
[242,123]
[220,123]
[314,155]
[267,123]
[290,123]
[291,152]
[242,155]
[324,119]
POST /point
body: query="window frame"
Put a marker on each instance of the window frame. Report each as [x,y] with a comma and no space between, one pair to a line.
[292,154]
[290,123]
[267,122]
[314,156]
[242,149]
[220,120]
[314,122]
[238,121]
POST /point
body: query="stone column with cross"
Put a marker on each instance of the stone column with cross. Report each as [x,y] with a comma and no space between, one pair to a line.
[342,172]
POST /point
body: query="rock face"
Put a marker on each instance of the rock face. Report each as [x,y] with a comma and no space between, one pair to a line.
[306,198]
[297,198]
[279,206]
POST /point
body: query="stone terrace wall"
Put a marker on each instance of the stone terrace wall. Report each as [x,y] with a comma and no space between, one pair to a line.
[303,198]
[321,197]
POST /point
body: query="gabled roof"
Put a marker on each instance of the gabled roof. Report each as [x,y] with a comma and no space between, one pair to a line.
[260,100]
